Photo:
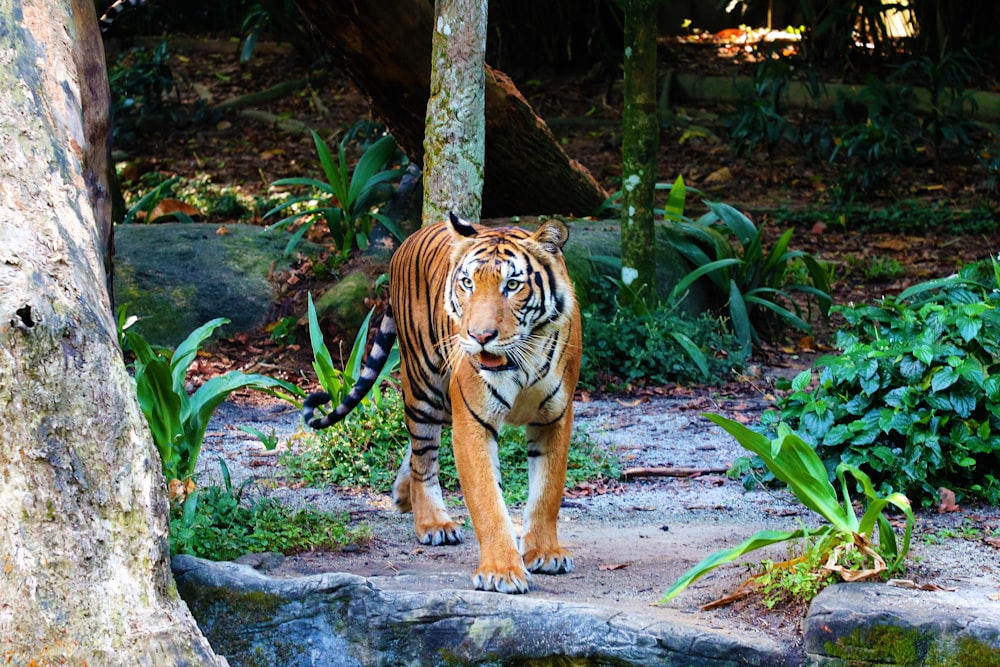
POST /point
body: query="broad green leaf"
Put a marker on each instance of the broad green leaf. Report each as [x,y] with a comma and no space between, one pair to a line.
[694,352]
[326,373]
[674,208]
[764,538]
[208,397]
[802,380]
[740,318]
[943,378]
[188,350]
[702,270]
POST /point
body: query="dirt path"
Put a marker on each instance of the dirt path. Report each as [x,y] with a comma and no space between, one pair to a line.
[629,544]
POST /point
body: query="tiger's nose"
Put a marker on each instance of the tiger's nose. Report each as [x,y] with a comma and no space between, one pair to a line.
[483,337]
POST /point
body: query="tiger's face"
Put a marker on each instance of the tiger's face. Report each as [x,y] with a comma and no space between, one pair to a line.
[506,294]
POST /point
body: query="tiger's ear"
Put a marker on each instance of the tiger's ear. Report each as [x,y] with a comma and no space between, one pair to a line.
[552,234]
[461,227]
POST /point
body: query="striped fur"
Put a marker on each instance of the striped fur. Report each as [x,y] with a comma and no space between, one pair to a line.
[114,10]
[489,333]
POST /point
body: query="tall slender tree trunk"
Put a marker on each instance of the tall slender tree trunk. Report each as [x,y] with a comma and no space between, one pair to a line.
[84,563]
[455,129]
[385,47]
[640,139]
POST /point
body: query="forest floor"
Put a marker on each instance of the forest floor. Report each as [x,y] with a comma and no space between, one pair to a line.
[245,155]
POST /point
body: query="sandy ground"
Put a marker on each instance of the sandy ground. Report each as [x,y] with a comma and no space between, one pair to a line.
[630,543]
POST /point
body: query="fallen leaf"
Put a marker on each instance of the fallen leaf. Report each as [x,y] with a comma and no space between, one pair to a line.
[616,566]
[169,207]
[947,501]
[631,404]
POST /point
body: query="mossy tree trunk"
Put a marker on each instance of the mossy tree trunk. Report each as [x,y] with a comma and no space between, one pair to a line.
[640,138]
[84,562]
[385,47]
[455,131]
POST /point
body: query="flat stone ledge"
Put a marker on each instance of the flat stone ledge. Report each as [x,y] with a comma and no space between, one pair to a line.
[876,624]
[343,619]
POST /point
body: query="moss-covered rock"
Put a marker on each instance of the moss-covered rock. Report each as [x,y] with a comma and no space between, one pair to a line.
[177,276]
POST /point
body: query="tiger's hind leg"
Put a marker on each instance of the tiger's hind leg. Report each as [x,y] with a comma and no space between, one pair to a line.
[548,453]
[418,489]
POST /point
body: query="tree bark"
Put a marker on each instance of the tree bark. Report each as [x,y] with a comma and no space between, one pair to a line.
[84,568]
[640,139]
[455,128]
[385,47]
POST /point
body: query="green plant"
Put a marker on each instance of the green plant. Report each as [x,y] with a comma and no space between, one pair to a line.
[283,332]
[753,280]
[269,440]
[176,420]
[219,523]
[347,200]
[875,148]
[845,544]
[945,79]
[794,581]
[876,267]
[914,396]
[629,343]
[144,90]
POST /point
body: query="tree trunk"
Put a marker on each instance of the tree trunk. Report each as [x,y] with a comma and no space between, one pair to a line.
[455,130]
[385,47]
[640,138]
[84,577]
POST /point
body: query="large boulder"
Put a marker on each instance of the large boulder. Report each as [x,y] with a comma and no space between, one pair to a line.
[177,276]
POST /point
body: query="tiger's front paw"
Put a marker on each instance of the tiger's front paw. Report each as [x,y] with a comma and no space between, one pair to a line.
[436,534]
[555,561]
[510,579]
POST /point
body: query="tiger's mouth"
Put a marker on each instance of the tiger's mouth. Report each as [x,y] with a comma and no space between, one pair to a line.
[494,362]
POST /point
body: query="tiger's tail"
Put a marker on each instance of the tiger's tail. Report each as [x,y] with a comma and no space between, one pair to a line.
[374,363]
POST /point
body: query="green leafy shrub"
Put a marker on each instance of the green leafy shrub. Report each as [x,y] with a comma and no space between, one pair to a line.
[347,200]
[624,345]
[364,450]
[845,544]
[914,397]
[224,525]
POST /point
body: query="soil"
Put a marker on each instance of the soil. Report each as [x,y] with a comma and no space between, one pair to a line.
[631,538]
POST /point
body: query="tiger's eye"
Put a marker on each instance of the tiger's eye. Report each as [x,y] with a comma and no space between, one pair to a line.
[466,283]
[512,285]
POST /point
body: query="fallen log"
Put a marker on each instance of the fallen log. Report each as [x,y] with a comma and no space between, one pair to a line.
[670,471]
[385,47]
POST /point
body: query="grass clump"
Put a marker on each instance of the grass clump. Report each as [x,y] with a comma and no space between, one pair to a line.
[224,524]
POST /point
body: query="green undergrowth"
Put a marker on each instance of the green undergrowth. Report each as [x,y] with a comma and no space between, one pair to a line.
[226,522]
[366,449]
[913,395]
[904,216]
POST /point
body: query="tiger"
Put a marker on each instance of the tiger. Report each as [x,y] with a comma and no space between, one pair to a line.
[489,333]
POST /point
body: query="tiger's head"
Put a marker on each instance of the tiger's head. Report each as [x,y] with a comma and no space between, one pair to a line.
[507,291]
